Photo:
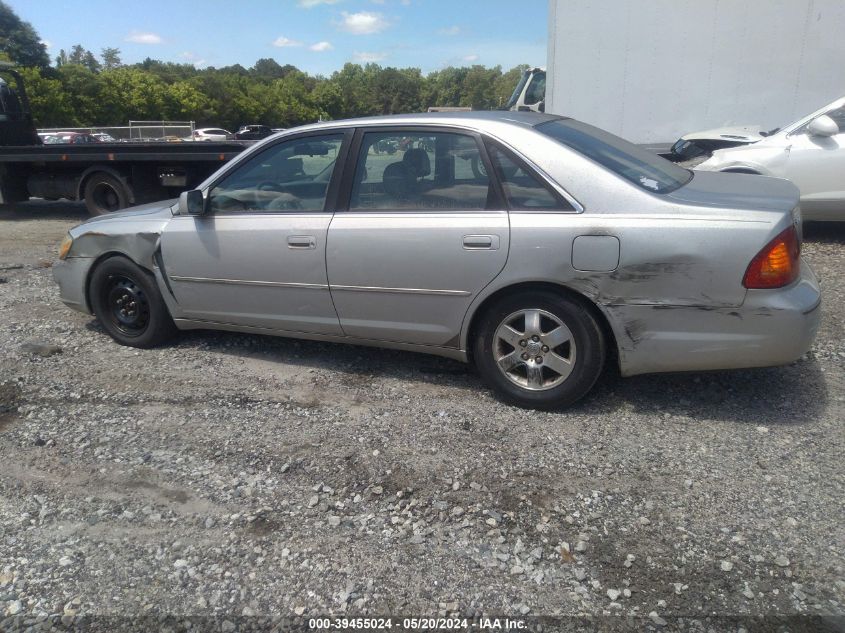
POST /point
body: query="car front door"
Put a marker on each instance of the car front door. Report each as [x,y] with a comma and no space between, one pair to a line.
[816,166]
[423,232]
[257,256]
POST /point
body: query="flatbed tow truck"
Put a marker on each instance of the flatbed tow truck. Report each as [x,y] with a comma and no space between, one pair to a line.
[107,176]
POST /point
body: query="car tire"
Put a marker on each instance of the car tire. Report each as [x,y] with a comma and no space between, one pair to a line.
[105,194]
[539,350]
[127,303]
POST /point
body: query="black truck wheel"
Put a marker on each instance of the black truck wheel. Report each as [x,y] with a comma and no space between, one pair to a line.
[104,194]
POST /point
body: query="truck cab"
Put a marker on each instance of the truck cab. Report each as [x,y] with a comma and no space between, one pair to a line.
[530,92]
[16,125]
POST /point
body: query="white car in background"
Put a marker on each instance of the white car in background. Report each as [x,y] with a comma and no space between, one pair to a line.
[809,152]
[211,134]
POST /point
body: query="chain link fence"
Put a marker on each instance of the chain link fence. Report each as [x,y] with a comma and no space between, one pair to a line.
[135,131]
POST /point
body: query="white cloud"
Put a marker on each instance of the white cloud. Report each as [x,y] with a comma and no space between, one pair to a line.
[284,42]
[143,38]
[363,23]
[369,57]
[47,43]
[193,59]
[321,47]
[469,58]
[308,4]
[452,30]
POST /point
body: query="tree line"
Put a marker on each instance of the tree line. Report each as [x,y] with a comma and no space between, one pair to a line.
[79,88]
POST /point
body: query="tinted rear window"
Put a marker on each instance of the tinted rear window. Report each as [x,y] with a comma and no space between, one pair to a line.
[635,164]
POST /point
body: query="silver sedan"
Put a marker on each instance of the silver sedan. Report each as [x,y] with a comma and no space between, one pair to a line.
[537,247]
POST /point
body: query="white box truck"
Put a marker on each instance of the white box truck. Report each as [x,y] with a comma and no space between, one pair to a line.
[652,70]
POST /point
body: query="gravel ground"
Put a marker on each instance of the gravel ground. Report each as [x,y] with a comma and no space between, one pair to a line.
[228,476]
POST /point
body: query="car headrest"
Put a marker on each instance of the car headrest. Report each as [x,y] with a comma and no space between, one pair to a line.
[417,161]
[397,180]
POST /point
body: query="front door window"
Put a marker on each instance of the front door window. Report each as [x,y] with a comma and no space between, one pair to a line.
[290,176]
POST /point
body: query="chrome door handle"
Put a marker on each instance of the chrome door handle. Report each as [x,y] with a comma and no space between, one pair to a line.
[302,241]
[481,242]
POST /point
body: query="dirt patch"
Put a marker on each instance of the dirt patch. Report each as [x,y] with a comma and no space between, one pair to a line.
[10,396]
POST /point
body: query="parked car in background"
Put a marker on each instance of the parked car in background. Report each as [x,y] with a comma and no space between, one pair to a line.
[570,247]
[104,137]
[810,152]
[211,134]
[253,132]
[74,138]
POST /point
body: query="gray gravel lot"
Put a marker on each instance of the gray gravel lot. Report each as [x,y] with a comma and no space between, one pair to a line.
[230,475]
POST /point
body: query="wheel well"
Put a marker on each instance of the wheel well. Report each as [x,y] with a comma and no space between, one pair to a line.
[610,337]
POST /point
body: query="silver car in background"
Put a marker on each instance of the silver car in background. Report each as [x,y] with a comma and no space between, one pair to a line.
[535,246]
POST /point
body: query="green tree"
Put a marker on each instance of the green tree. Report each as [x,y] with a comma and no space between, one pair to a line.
[445,87]
[291,102]
[90,62]
[183,102]
[50,104]
[83,90]
[111,58]
[479,87]
[394,91]
[267,68]
[20,41]
[352,84]
[77,55]
[130,93]
[328,98]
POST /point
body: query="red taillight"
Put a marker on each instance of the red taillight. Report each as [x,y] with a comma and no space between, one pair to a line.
[777,265]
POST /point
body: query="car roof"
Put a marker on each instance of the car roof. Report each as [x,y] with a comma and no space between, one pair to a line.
[478,119]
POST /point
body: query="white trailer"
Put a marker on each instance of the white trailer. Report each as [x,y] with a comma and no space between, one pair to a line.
[652,70]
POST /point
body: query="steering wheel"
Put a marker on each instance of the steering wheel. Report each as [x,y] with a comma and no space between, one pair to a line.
[228,203]
[285,202]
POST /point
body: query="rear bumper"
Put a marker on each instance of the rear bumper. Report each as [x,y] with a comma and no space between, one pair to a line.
[71,275]
[772,327]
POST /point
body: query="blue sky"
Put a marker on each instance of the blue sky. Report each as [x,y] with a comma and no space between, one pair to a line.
[317,36]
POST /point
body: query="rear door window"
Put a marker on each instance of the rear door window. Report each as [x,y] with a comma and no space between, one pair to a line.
[523,189]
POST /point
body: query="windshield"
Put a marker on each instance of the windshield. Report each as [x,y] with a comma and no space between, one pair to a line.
[641,167]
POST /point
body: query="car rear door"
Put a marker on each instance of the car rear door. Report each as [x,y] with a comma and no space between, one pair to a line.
[257,257]
[422,233]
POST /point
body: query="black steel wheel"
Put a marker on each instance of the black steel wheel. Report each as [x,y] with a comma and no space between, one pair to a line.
[128,304]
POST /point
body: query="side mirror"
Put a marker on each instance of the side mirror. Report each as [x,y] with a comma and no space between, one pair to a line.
[191,202]
[823,126]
